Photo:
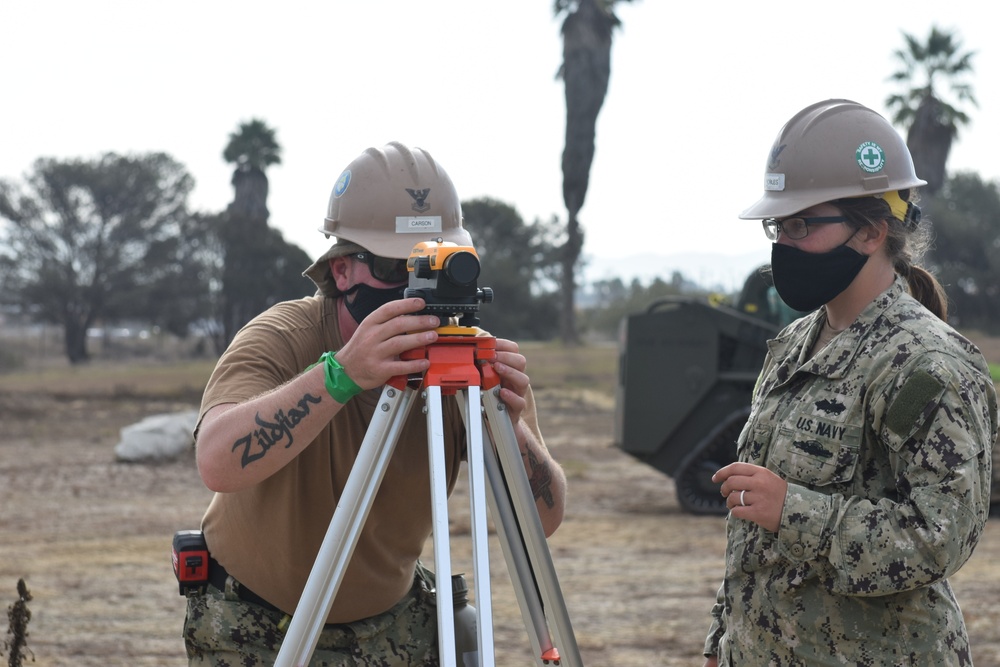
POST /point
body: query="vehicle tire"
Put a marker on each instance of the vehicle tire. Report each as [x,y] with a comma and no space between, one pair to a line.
[696,492]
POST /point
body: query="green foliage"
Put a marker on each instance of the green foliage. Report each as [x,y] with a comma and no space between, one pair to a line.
[931,120]
[518,263]
[253,146]
[560,7]
[258,269]
[178,287]
[966,255]
[922,65]
[614,300]
[87,240]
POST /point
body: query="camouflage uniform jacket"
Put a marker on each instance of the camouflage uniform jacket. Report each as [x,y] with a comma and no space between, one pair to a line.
[884,437]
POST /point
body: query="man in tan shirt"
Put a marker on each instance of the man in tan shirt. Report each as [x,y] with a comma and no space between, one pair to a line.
[279,432]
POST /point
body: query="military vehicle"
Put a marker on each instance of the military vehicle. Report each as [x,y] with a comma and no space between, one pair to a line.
[687,367]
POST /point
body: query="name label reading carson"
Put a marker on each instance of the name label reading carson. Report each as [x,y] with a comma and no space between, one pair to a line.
[415,224]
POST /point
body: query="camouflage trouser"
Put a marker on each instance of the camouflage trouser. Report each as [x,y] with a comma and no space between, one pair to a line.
[995,486]
[224,631]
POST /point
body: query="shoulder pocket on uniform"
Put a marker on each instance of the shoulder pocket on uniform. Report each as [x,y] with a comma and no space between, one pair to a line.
[913,404]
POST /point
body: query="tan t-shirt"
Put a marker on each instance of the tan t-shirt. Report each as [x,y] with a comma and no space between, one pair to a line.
[268,536]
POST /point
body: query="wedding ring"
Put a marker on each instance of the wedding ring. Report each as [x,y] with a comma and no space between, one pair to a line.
[743,493]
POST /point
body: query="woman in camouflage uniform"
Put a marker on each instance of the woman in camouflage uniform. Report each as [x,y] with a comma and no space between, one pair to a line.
[863,476]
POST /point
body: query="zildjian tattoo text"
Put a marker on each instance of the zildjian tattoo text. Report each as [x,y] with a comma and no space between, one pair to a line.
[256,443]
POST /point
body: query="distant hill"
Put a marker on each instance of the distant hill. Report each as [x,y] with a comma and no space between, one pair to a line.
[711,271]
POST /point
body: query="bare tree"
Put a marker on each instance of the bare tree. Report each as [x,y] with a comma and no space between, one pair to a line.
[586,69]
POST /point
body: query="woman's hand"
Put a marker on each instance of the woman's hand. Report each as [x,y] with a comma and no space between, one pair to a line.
[753,493]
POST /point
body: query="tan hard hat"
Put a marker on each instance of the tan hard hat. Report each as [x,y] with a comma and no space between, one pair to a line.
[832,150]
[387,201]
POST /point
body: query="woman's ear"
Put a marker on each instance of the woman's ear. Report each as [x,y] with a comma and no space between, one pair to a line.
[872,237]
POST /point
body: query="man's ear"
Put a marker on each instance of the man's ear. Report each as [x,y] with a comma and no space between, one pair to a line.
[339,269]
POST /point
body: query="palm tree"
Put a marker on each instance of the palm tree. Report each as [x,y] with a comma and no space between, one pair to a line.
[252,148]
[585,70]
[243,230]
[253,145]
[932,122]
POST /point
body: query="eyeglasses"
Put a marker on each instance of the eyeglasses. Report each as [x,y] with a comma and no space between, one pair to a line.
[386,269]
[796,228]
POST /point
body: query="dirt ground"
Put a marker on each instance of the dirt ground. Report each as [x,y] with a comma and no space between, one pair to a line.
[91,537]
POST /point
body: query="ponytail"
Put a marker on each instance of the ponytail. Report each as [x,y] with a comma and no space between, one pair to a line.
[907,240]
[927,290]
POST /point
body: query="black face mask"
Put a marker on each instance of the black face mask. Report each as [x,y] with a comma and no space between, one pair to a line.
[368,299]
[807,280]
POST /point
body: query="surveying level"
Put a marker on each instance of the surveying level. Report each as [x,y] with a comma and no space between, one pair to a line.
[444,275]
[459,363]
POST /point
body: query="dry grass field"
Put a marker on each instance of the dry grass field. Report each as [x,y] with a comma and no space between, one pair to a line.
[91,537]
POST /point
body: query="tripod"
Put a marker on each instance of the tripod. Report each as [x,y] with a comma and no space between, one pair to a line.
[459,363]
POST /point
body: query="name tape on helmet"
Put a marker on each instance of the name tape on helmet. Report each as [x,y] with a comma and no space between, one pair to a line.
[416,224]
[774,182]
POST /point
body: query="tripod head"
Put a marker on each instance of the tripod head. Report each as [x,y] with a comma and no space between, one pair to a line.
[444,275]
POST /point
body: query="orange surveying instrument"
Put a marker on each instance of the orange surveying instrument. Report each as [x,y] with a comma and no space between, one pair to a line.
[445,275]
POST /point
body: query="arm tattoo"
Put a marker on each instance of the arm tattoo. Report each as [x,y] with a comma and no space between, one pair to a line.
[540,479]
[256,443]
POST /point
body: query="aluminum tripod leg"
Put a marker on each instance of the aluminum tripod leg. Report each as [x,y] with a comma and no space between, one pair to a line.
[345,528]
[480,534]
[528,558]
[515,515]
[475,453]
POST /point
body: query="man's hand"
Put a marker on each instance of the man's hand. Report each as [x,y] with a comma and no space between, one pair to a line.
[510,365]
[545,476]
[371,356]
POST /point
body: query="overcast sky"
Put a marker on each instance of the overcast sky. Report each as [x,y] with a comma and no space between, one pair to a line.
[698,92]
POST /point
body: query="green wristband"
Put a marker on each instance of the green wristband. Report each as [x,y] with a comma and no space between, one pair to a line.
[339,384]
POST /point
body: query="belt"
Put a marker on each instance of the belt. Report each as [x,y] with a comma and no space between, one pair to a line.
[217,576]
